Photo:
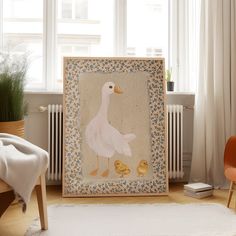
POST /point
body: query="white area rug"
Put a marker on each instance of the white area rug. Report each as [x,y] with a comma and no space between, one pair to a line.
[138,220]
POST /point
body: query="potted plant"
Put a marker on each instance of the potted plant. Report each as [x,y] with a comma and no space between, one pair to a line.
[13,108]
[169,82]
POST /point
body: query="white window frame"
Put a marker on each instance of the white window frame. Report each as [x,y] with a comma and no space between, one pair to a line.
[49,43]
[120,27]
[50,39]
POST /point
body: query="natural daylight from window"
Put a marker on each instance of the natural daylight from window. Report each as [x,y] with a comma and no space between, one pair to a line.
[51,30]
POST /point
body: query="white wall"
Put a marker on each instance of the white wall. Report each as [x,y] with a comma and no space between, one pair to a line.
[36,122]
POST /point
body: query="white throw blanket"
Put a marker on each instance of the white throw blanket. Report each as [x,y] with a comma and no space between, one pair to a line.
[21,163]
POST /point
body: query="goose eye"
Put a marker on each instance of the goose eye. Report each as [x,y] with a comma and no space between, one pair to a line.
[110,87]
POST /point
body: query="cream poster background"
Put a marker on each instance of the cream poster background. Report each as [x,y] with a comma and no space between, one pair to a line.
[127,112]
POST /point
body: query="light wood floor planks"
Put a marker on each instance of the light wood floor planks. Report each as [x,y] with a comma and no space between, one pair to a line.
[15,223]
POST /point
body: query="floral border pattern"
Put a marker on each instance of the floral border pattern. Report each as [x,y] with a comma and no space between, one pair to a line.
[73,184]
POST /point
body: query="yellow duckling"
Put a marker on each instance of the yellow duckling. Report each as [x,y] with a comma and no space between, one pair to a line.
[121,168]
[142,168]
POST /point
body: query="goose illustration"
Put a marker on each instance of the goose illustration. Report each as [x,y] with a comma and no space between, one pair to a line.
[101,137]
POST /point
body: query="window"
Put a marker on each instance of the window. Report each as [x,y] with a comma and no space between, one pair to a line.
[50,30]
[84,28]
[22,31]
[147,27]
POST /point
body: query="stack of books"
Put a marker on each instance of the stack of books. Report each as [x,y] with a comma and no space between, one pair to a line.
[198,190]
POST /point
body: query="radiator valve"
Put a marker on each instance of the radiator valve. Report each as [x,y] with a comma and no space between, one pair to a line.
[42,109]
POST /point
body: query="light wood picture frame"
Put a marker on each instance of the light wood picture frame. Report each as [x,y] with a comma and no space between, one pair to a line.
[115,134]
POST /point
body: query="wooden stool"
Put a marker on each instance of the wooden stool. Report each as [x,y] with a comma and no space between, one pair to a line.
[40,187]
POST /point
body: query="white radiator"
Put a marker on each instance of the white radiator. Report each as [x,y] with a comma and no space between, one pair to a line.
[55,137]
[175,141]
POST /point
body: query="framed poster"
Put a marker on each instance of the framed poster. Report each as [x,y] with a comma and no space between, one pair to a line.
[115,140]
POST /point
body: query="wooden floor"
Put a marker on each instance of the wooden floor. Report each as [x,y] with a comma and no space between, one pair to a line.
[15,223]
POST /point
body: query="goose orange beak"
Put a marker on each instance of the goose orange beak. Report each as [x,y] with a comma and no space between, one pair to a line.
[117,89]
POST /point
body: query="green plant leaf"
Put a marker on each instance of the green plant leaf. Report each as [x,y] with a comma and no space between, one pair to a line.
[12,81]
[168,74]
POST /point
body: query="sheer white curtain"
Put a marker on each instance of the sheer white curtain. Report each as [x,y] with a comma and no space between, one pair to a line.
[183,44]
[215,105]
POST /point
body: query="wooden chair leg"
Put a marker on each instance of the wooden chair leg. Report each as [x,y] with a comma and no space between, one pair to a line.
[230,193]
[42,204]
[6,199]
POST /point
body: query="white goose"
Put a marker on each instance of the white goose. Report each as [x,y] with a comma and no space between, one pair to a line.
[101,137]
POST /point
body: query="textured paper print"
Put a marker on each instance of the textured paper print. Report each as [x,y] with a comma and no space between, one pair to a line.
[115,124]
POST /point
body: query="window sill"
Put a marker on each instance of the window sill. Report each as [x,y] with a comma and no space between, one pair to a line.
[43,92]
[180,93]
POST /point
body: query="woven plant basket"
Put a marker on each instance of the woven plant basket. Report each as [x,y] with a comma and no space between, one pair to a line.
[13,127]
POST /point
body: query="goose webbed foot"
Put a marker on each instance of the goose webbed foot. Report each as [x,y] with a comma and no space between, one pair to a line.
[105,173]
[94,172]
